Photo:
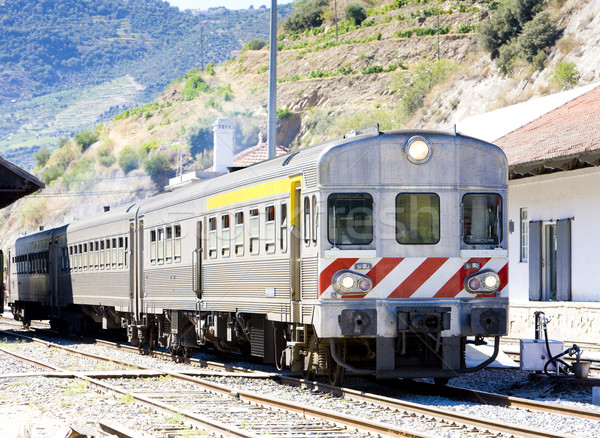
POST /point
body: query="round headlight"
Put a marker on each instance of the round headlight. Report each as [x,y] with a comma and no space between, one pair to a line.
[347,282]
[474,284]
[418,150]
[491,281]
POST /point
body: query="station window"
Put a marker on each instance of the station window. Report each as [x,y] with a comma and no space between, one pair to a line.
[239,233]
[152,246]
[225,236]
[283,236]
[524,233]
[350,218]
[177,244]
[417,218]
[482,219]
[270,229]
[307,221]
[212,237]
[254,231]
[169,245]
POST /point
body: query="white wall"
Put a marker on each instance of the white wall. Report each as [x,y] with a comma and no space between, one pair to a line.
[569,194]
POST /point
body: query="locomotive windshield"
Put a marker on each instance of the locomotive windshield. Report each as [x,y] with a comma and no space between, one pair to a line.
[482,219]
[350,218]
[417,218]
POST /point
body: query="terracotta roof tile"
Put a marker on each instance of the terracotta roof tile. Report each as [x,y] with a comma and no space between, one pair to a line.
[256,154]
[568,130]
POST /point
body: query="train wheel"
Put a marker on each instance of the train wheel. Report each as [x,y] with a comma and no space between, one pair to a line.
[441,381]
[309,366]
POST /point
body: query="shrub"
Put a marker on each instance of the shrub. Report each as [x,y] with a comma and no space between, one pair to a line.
[42,156]
[51,174]
[356,13]
[85,139]
[307,14]
[210,68]
[284,113]
[128,159]
[105,156]
[565,74]
[146,148]
[156,164]
[200,137]
[80,175]
[255,44]
[193,86]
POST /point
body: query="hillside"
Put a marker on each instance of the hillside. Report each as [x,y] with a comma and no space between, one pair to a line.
[59,56]
[384,70]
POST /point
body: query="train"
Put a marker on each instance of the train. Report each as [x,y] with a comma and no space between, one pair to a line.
[379,252]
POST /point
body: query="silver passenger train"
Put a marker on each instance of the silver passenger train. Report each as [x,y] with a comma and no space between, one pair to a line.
[381,253]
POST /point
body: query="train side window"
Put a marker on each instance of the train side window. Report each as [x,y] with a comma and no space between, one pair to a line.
[160,245]
[177,244]
[283,228]
[350,218]
[108,254]
[254,231]
[239,233]
[212,237]
[102,255]
[114,252]
[152,246]
[315,219]
[79,256]
[270,229]
[125,251]
[225,236]
[169,245]
[70,258]
[96,254]
[121,252]
[482,219]
[85,256]
[418,218]
[307,221]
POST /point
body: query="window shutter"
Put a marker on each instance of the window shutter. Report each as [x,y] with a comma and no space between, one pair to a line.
[563,260]
[535,261]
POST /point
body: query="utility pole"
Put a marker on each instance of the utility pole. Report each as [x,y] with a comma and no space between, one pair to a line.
[272,136]
[201,50]
[438,32]
[335,18]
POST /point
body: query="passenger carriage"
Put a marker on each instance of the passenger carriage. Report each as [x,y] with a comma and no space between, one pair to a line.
[380,253]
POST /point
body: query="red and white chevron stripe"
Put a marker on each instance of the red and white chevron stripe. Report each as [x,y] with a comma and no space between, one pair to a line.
[413,277]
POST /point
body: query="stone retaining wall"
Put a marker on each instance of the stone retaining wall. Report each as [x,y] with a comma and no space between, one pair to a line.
[570,322]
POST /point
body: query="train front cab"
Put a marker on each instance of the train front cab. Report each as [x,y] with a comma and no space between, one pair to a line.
[414,260]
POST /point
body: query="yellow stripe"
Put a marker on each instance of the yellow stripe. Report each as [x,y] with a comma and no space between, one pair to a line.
[254,192]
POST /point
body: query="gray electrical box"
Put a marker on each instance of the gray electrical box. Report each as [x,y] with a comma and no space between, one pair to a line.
[534,354]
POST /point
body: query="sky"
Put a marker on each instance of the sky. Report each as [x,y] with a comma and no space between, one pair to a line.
[229,4]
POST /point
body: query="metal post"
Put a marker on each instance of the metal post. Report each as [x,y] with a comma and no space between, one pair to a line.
[272,137]
[438,32]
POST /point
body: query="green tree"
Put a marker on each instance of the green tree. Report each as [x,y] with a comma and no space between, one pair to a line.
[565,74]
[105,156]
[51,174]
[85,139]
[156,164]
[200,137]
[255,44]
[128,159]
[356,13]
[194,85]
[210,68]
[306,15]
[42,156]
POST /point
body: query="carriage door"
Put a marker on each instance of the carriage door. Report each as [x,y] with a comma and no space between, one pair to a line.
[137,292]
[295,245]
[197,262]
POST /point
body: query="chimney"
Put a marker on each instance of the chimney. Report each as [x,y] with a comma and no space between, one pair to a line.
[223,144]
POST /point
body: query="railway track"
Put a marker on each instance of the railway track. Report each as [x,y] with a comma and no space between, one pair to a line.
[467,424]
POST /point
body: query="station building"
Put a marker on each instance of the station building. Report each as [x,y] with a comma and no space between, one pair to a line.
[553,150]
